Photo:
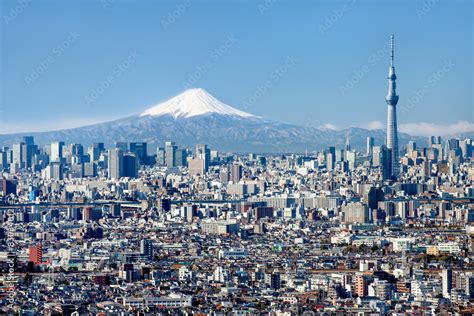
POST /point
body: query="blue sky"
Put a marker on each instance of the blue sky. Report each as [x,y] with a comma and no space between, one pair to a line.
[317,63]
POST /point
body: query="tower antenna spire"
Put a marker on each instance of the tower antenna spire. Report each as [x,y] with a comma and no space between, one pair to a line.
[392,48]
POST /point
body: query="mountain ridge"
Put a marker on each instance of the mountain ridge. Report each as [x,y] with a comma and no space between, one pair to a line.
[195,116]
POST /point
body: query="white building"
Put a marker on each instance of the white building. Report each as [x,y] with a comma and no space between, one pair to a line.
[150,301]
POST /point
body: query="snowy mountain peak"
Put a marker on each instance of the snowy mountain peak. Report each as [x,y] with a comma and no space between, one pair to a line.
[194,102]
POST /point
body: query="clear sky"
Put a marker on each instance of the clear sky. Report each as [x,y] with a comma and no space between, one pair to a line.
[317,63]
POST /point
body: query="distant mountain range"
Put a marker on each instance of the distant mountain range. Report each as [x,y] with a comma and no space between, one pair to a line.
[195,116]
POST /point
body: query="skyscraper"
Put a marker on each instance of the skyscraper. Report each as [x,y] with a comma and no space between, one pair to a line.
[36,254]
[56,151]
[236,173]
[77,153]
[447,278]
[331,158]
[199,163]
[370,146]
[18,154]
[160,156]
[146,248]
[55,170]
[181,157]
[411,147]
[392,100]
[115,163]
[203,152]
[170,154]
[29,140]
[95,150]
[122,145]
[130,165]
[433,140]
[140,150]
[381,159]
[3,160]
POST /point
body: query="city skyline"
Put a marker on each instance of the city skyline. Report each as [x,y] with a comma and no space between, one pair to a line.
[209,157]
[436,67]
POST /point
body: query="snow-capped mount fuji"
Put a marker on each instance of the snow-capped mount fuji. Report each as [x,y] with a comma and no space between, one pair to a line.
[195,116]
[195,102]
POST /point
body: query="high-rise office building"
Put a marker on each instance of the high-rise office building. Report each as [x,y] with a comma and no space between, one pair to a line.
[466,148]
[331,158]
[56,151]
[236,173]
[90,169]
[3,160]
[115,163]
[170,149]
[224,175]
[77,154]
[196,166]
[36,254]
[29,150]
[433,140]
[122,145]
[356,213]
[450,145]
[351,158]
[381,159]
[146,248]
[56,170]
[140,150]
[392,100]
[411,147]
[370,146]
[199,163]
[339,155]
[7,187]
[203,152]
[17,157]
[29,140]
[181,157]
[447,278]
[188,212]
[425,168]
[130,165]
[160,156]
[95,151]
